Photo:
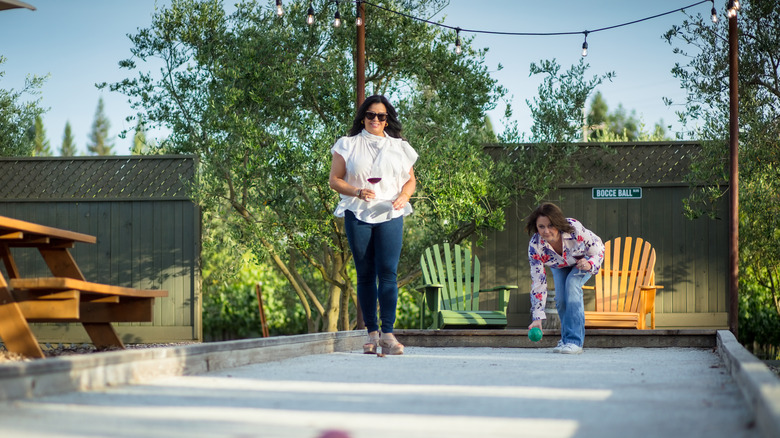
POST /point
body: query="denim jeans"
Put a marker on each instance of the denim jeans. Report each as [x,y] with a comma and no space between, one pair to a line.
[376,249]
[568,301]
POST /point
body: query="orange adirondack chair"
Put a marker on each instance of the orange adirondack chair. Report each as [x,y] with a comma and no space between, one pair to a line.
[625,286]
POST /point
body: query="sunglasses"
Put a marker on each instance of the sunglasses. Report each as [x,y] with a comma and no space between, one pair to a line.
[370,115]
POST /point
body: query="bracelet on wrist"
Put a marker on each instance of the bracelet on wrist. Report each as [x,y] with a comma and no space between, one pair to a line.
[359,192]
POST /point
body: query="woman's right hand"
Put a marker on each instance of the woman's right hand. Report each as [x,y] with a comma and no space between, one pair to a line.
[537,323]
[367,194]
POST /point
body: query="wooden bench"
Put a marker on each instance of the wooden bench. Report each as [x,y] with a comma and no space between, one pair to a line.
[65,297]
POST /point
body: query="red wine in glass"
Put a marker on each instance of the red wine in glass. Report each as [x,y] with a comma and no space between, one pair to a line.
[374,179]
[580,272]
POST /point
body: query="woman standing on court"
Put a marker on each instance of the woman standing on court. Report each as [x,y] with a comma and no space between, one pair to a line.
[372,171]
[573,254]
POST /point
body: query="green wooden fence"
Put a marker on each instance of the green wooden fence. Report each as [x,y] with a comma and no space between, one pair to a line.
[692,254]
[147,228]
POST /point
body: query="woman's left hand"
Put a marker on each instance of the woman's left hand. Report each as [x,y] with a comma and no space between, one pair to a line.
[400,201]
[583,265]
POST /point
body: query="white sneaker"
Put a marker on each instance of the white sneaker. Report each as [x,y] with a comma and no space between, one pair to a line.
[558,347]
[571,349]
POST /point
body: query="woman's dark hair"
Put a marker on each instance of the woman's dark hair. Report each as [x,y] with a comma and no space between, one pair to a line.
[552,212]
[393,128]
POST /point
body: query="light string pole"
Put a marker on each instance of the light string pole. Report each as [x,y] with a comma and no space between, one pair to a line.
[733,317]
[360,58]
[360,96]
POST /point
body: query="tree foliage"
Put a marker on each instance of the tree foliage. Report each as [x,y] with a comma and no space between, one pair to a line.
[17,116]
[68,148]
[705,77]
[230,277]
[100,142]
[140,142]
[260,99]
[618,125]
[545,161]
[41,144]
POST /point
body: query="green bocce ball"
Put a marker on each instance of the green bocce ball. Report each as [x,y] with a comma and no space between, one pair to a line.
[535,334]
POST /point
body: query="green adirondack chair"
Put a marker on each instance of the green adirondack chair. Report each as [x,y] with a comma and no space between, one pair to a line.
[451,290]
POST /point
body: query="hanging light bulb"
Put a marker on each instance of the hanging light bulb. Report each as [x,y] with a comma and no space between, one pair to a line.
[731,9]
[337,20]
[458,49]
[358,19]
[310,15]
[585,45]
[714,13]
[736,5]
[280,10]
[337,16]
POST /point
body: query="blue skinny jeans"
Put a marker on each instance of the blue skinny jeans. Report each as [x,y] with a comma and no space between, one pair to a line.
[376,249]
[568,301]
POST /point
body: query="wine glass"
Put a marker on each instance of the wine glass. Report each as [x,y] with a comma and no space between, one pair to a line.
[375,174]
[580,272]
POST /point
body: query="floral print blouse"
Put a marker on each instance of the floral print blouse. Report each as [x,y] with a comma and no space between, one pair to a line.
[581,243]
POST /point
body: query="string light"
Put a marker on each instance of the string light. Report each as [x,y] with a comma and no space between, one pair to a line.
[337,17]
[714,13]
[585,45]
[733,7]
[310,15]
[358,19]
[280,9]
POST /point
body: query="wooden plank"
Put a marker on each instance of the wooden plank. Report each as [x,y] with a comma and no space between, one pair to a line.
[697,301]
[65,308]
[132,334]
[167,228]
[116,234]
[717,320]
[635,277]
[61,263]
[13,235]
[681,274]
[103,335]
[64,283]
[191,288]
[10,224]
[102,265]
[175,284]
[611,319]
[128,310]
[8,261]
[460,303]
[626,294]
[477,280]
[14,329]
[88,255]
[157,266]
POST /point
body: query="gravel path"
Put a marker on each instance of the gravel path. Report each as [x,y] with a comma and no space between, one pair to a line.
[428,392]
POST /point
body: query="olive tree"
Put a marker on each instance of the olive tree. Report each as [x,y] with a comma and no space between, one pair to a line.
[260,99]
[18,111]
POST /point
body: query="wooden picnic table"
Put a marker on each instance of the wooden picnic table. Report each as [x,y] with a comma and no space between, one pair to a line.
[64,297]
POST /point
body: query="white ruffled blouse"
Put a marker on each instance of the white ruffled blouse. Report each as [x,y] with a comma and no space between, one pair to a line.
[370,156]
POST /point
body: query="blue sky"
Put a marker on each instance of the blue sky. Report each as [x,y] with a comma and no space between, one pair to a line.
[79,43]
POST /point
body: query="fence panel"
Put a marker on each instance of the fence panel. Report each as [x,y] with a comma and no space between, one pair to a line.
[692,255]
